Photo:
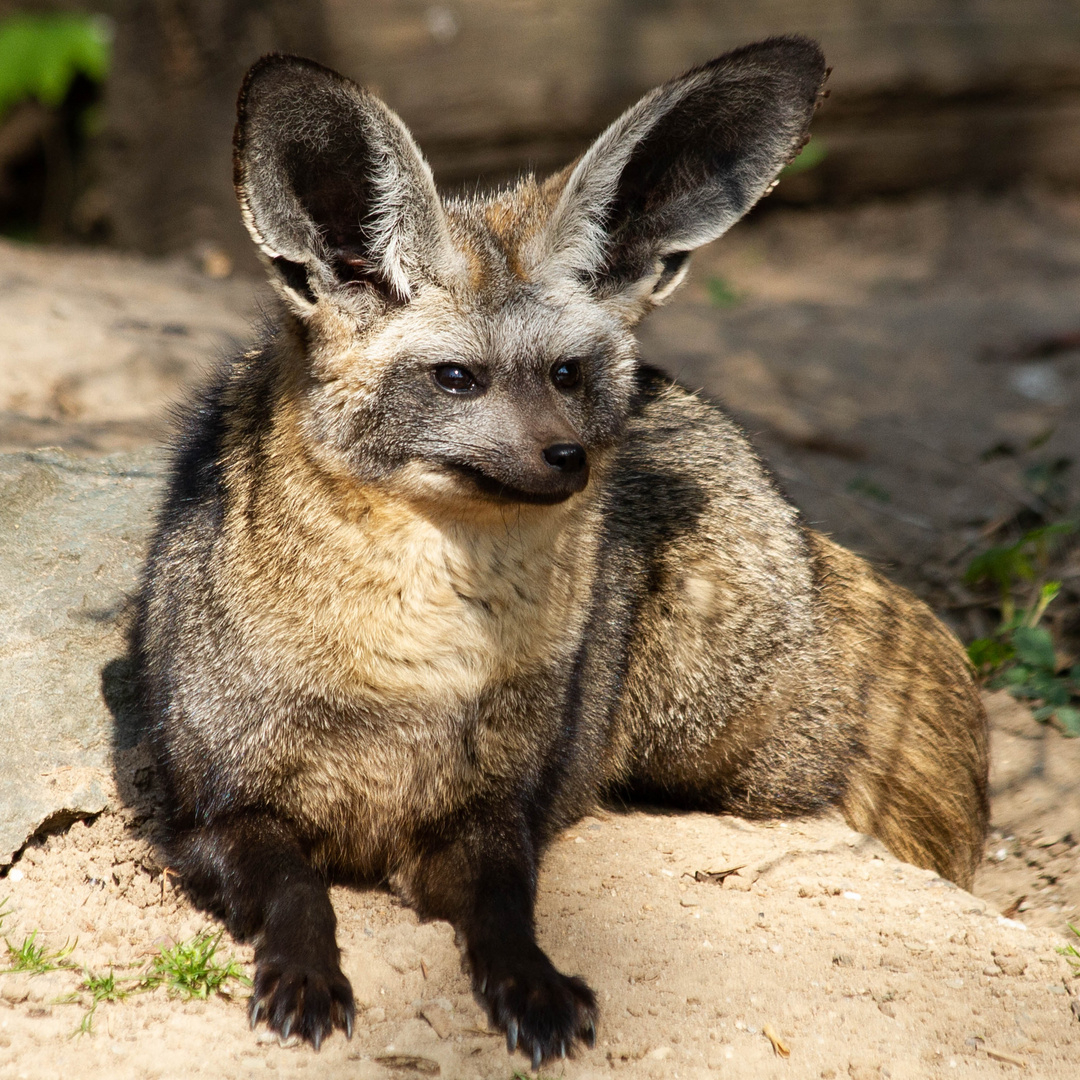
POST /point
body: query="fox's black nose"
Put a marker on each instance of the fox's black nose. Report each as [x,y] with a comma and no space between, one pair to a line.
[566,457]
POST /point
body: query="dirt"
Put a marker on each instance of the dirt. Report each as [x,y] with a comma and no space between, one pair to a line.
[877,349]
[858,965]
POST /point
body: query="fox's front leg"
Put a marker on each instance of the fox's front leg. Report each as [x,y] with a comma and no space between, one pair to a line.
[483,881]
[253,870]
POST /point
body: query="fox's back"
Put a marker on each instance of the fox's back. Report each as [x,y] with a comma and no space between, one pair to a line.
[770,671]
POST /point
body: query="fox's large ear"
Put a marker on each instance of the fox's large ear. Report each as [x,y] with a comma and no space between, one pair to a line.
[681,166]
[332,187]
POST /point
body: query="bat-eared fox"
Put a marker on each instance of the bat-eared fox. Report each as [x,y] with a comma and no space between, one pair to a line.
[441,564]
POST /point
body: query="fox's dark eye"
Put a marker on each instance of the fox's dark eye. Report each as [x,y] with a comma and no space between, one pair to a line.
[566,374]
[455,379]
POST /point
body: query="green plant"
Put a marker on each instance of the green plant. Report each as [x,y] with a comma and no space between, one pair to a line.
[1008,566]
[1070,952]
[863,485]
[721,294]
[106,988]
[40,56]
[34,959]
[189,967]
[1020,656]
[811,155]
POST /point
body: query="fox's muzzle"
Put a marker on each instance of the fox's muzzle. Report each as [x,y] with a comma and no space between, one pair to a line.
[559,471]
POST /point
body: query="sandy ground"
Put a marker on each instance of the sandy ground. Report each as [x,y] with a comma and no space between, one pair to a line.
[860,965]
[867,350]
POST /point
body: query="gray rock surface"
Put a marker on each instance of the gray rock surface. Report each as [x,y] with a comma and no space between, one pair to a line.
[73,534]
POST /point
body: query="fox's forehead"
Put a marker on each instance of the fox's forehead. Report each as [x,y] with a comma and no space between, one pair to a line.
[497,308]
[499,235]
[504,320]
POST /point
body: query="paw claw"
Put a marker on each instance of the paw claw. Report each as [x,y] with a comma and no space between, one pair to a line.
[256,1011]
[301,1002]
[542,1011]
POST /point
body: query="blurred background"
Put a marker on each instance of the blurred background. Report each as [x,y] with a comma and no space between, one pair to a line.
[898,325]
[126,139]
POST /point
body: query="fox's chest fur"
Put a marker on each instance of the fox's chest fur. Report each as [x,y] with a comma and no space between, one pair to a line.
[415,632]
[390,606]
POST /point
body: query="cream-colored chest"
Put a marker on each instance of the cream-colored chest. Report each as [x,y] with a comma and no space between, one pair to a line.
[394,606]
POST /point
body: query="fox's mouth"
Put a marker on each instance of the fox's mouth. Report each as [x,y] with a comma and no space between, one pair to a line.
[559,488]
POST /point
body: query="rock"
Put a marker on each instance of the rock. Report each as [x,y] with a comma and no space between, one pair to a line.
[14,989]
[864,1069]
[73,536]
[438,1017]
[1009,963]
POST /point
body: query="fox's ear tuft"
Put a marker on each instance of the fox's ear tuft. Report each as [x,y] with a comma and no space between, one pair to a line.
[681,167]
[332,187]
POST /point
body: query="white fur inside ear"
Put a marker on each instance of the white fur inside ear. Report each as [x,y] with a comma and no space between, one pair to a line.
[408,222]
[575,238]
[667,283]
[300,304]
[389,214]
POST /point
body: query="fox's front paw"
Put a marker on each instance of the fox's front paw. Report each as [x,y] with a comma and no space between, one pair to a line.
[303,1000]
[541,1010]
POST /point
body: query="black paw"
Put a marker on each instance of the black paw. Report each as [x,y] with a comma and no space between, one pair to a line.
[541,1010]
[302,1000]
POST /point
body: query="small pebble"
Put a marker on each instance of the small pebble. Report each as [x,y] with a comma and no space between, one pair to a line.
[14,989]
[1009,963]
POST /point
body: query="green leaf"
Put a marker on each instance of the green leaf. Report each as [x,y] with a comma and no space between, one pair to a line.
[40,55]
[1001,565]
[1046,687]
[811,155]
[1057,692]
[1018,675]
[1045,532]
[988,654]
[1035,646]
[721,294]
[863,485]
[1049,591]
[1069,719]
